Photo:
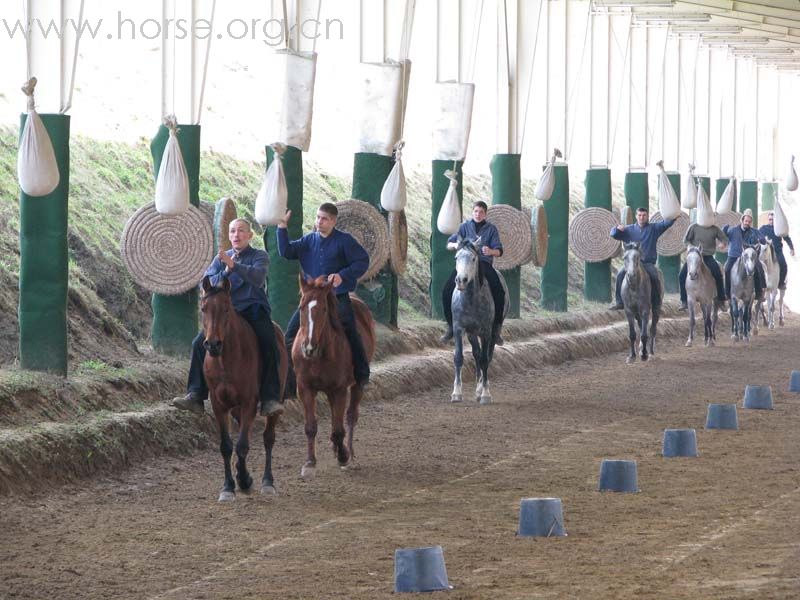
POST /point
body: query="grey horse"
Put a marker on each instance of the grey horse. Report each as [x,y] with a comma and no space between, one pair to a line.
[639,306]
[743,293]
[701,288]
[774,295]
[473,314]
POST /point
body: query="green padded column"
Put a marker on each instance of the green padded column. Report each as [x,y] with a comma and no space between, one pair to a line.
[597,276]
[507,189]
[769,190]
[283,288]
[442,260]
[748,198]
[380,293]
[556,270]
[720,186]
[671,265]
[44,263]
[175,318]
[637,190]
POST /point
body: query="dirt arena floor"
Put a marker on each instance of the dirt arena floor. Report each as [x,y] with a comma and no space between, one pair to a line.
[724,525]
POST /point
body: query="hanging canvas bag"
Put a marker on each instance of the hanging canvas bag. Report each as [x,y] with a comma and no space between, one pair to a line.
[705,213]
[668,204]
[449,219]
[393,193]
[37,169]
[273,197]
[689,191]
[547,183]
[725,204]
[172,183]
[780,221]
[791,178]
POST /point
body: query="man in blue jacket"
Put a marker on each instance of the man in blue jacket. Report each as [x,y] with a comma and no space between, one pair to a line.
[337,255]
[477,227]
[738,236]
[768,231]
[647,234]
[246,269]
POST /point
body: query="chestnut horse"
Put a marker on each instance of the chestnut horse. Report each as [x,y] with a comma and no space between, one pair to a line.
[232,369]
[323,363]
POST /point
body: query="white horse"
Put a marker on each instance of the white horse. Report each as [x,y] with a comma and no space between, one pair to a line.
[769,259]
[701,288]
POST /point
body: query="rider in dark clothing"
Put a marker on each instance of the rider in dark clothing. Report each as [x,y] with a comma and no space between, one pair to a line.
[737,237]
[768,231]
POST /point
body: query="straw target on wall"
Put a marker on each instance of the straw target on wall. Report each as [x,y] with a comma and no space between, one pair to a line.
[590,234]
[364,222]
[515,234]
[671,241]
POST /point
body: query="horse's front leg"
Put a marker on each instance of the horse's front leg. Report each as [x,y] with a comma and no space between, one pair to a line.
[747,312]
[458,363]
[734,319]
[338,402]
[780,307]
[706,310]
[356,393]
[632,337]
[308,398]
[228,491]
[486,358]
[477,356]
[267,483]
[771,324]
[691,324]
[243,448]
[752,325]
[655,315]
[644,333]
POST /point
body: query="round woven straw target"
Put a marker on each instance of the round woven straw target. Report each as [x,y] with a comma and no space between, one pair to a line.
[732,218]
[539,236]
[224,213]
[590,234]
[514,228]
[671,241]
[167,254]
[529,258]
[398,241]
[363,221]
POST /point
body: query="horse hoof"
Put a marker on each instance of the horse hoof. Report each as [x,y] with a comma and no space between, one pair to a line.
[772,325]
[485,400]
[268,490]
[780,323]
[630,360]
[308,472]
[226,497]
[689,344]
[645,358]
[457,398]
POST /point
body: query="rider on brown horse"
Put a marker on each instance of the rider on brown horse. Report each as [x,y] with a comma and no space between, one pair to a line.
[338,256]
[245,268]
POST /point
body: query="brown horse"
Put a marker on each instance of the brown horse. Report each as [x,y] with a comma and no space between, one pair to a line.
[232,369]
[323,363]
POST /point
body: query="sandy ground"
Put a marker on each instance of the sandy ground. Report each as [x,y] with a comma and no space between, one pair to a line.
[723,525]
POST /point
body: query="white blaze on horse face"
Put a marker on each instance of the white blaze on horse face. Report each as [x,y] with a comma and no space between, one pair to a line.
[311,305]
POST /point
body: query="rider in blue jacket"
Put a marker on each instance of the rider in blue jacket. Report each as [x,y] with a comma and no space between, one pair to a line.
[738,236]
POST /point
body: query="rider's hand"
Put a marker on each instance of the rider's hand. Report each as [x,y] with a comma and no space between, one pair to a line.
[486,251]
[225,259]
[621,227]
[284,223]
[452,246]
[791,251]
[335,279]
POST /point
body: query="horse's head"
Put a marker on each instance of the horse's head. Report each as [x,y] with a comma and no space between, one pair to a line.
[631,257]
[749,258]
[467,258]
[694,261]
[766,252]
[217,309]
[318,313]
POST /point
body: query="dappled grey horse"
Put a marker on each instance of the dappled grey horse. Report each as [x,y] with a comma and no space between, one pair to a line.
[701,288]
[742,293]
[769,259]
[473,314]
[637,296]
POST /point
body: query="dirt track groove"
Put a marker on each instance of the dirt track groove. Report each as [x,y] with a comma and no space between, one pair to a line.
[723,525]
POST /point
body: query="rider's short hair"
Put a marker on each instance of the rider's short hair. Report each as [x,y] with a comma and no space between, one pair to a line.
[642,209]
[329,208]
[243,222]
[480,203]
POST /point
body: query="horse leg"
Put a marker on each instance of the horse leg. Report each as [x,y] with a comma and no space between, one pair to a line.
[751,324]
[771,323]
[654,317]
[356,393]
[458,362]
[267,483]
[706,310]
[338,402]
[632,337]
[477,357]
[228,492]
[691,323]
[243,448]
[309,400]
[747,311]
[780,307]
[486,395]
[734,319]
[643,332]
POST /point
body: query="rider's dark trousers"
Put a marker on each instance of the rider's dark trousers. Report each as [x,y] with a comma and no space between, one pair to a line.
[348,320]
[498,293]
[783,269]
[260,320]
[716,271]
[655,285]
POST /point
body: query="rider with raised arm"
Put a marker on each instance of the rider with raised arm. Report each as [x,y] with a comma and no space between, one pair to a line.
[768,231]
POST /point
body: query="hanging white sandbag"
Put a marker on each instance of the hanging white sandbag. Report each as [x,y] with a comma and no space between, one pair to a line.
[172,183]
[791,178]
[780,221]
[383,98]
[453,120]
[393,193]
[273,196]
[289,101]
[668,204]
[725,204]
[449,219]
[547,183]
[705,212]
[37,169]
[689,191]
